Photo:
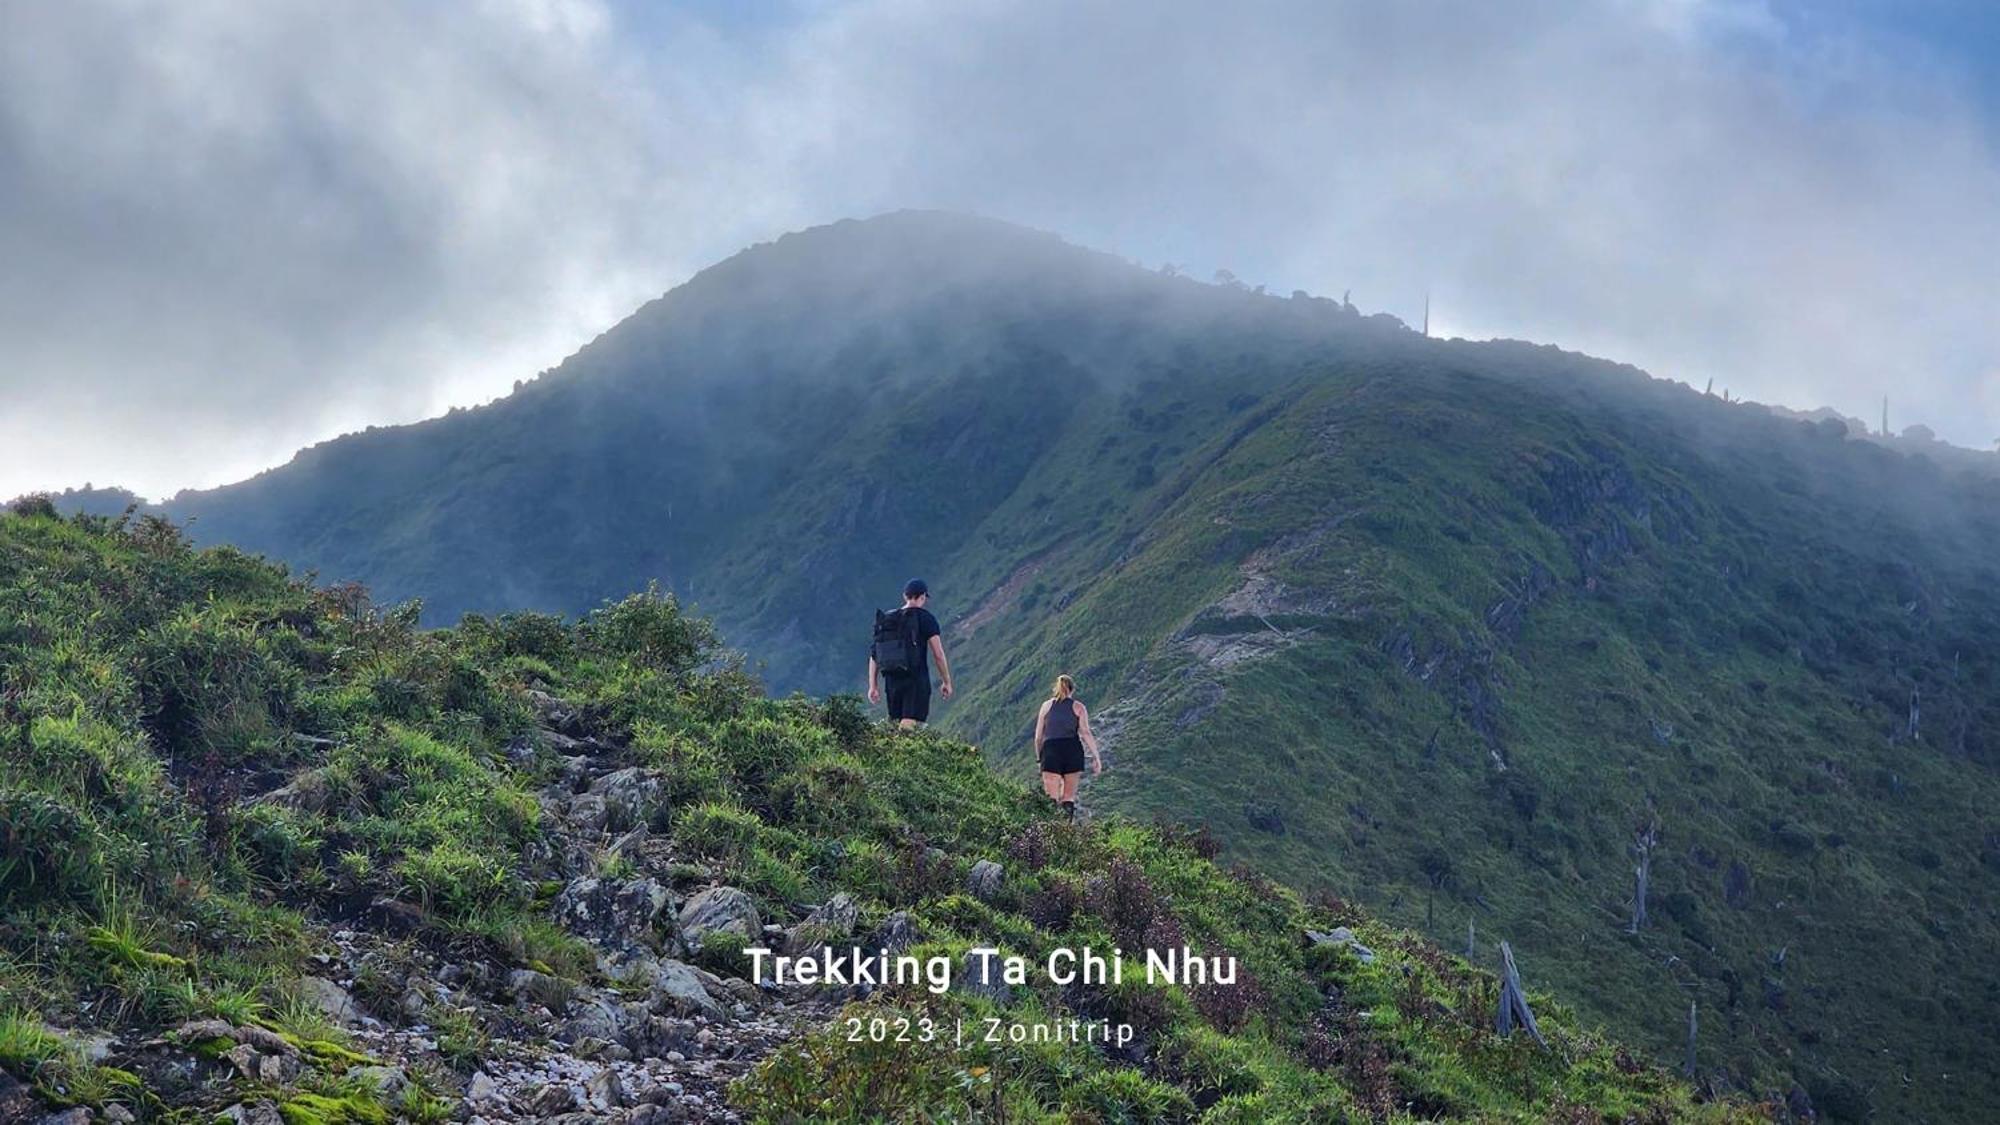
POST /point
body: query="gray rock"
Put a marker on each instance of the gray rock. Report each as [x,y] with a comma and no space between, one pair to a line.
[678,990]
[391,1080]
[331,999]
[586,814]
[558,715]
[603,1016]
[16,1100]
[195,1031]
[1341,935]
[244,1058]
[482,1093]
[968,980]
[254,1113]
[265,1040]
[896,934]
[629,966]
[552,1099]
[628,845]
[630,796]
[604,1090]
[413,1005]
[279,1070]
[984,881]
[526,986]
[743,992]
[720,910]
[829,922]
[613,914]
[521,751]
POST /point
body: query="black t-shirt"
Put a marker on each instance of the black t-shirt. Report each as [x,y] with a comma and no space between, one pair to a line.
[927,627]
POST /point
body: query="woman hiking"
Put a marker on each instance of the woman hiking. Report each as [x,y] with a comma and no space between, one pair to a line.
[1062,732]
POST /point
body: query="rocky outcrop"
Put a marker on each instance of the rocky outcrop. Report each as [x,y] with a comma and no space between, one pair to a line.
[896,934]
[984,880]
[1341,938]
[331,1000]
[630,796]
[614,914]
[678,989]
[720,910]
[831,921]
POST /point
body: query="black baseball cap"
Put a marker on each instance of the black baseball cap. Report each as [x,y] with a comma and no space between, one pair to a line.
[915,588]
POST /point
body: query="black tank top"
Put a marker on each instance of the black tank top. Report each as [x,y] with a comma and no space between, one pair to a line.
[1061,721]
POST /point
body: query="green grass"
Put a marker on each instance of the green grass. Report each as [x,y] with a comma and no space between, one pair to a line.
[381,745]
[26,1044]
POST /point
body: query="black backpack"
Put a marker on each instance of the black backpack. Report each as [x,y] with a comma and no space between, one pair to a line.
[895,647]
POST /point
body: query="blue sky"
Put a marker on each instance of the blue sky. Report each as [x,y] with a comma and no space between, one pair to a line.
[237,229]
[1959,36]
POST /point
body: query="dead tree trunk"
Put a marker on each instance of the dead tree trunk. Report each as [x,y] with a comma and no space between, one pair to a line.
[1513,1001]
[1471,932]
[1642,875]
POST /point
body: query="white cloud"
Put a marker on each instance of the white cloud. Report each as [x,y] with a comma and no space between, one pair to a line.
[265,223]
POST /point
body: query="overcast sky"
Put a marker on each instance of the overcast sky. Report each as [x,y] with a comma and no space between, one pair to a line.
[231,229]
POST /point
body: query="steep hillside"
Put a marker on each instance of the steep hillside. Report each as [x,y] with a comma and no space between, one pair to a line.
[276,855]
[787,437]
[1444,627]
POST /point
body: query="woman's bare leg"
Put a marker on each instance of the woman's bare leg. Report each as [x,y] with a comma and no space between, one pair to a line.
[1052,784]
[1069,783]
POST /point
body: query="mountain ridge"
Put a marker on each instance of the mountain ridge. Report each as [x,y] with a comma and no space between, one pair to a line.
[1440,626]
[276,854]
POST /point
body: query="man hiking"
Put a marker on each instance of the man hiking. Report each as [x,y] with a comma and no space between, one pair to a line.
[905,641]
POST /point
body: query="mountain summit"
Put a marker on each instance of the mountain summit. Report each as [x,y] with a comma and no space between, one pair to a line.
[796,429]
[1468,632]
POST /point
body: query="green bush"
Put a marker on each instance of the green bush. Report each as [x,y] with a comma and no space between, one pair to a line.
[649,630]
[455,880]
[717,830]
[284,843]
[48,849]
[721,953]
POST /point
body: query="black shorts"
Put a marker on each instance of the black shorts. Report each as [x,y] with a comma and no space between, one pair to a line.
[908,697]
[1062,755]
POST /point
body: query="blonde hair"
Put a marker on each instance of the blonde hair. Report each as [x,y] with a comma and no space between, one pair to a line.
[1065,687]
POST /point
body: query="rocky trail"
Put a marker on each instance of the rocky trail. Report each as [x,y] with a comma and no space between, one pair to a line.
[642,1036]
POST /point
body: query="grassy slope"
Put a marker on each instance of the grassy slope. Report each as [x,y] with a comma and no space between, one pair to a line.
[1721,642]
[151,691]
[1472,556]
